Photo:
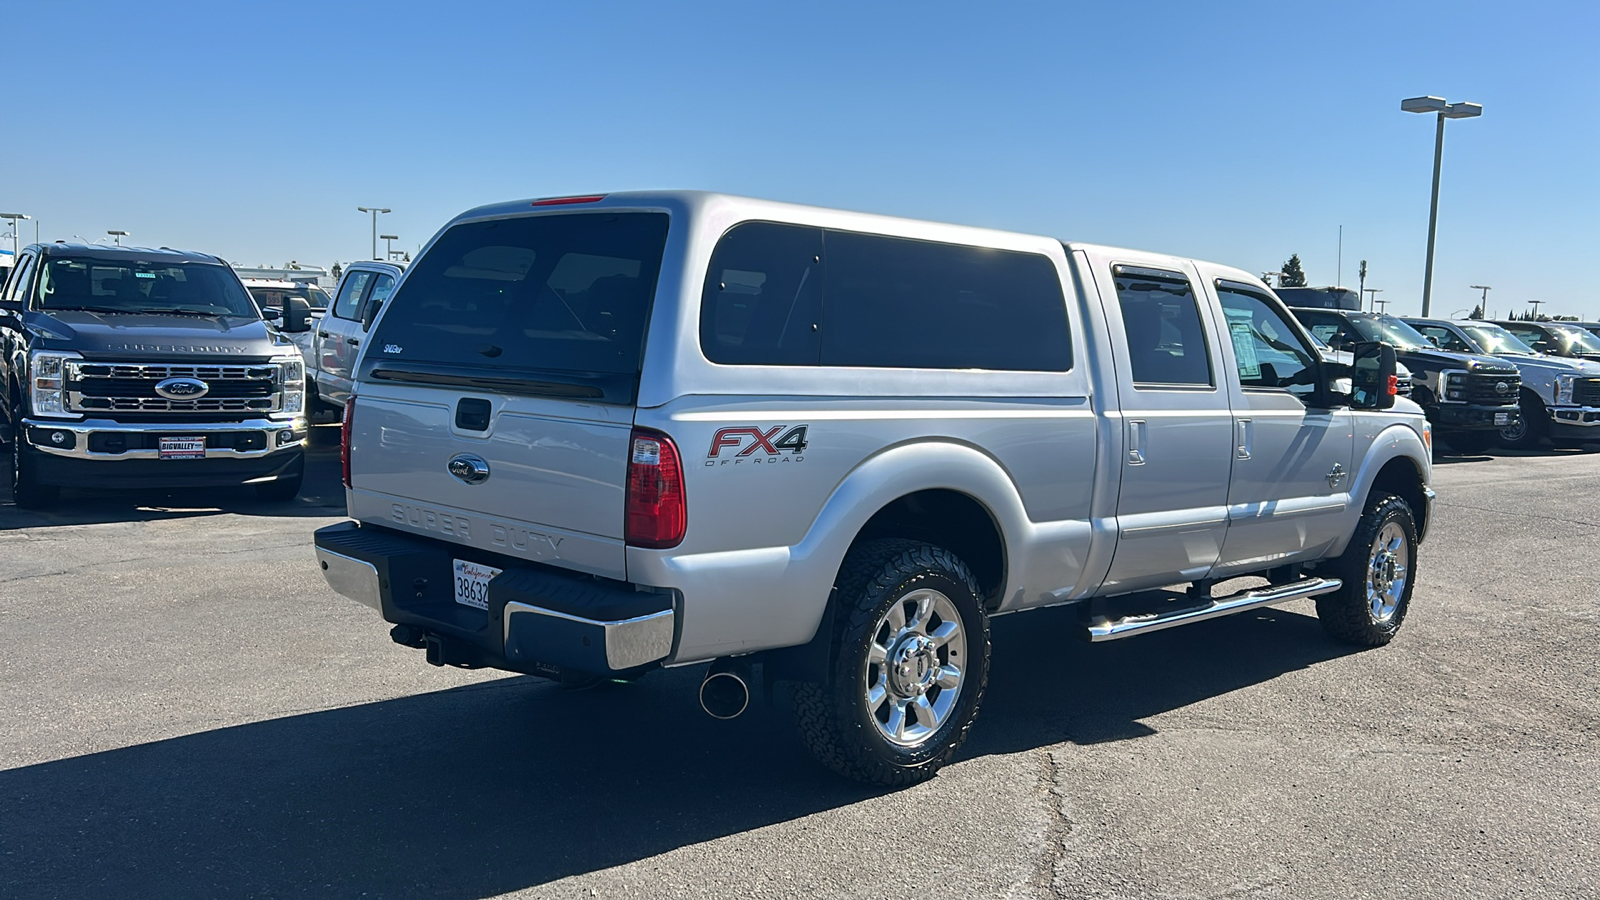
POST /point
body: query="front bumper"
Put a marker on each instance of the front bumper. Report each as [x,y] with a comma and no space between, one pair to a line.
[1574,421]
[109,439]
[540,620]
[1472,417]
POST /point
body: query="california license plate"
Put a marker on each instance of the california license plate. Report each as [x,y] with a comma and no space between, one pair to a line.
[183,448]
[1502,418]
[472,583]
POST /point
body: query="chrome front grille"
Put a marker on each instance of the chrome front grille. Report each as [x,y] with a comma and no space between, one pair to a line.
[131,387]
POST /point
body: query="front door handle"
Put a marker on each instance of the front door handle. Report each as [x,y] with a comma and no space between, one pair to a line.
[1241,431]
[322,334]
[355,342]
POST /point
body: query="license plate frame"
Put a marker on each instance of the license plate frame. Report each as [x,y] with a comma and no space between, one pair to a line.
[1502,418]
[178,447]
[470,582]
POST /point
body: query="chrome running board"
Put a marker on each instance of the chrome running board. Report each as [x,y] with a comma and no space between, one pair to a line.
[1104,629]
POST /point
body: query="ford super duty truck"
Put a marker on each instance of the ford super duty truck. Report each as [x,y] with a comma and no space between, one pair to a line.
[127,367]
[595,436]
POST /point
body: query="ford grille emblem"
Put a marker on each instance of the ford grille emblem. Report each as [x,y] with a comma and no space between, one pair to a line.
[1501,387]
[182,388]
[469,468]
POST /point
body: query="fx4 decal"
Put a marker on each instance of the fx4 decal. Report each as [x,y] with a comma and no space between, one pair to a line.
[743,443]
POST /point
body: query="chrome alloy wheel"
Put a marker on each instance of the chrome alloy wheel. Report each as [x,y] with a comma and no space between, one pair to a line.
[1387,570]
[913,673]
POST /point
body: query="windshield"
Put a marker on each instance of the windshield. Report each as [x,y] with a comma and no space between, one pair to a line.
[140,286]
[268,297]
[1496,340]
[1575,339]
[1391,331]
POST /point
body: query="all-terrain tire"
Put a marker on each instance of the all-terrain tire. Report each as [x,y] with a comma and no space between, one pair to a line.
[1349,614]
[835,718]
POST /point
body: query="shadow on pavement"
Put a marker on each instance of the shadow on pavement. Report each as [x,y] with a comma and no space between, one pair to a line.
[514,783]
[322,495]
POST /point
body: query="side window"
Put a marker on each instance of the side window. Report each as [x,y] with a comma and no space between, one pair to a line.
[1161,319]
[898,303]
[1535,338]
[1446,339]
[346,305]
[763,296]
[1266,348]
[1328,329]
[381,289]
[16,289]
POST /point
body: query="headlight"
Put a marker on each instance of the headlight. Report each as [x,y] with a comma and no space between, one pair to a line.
[1451,386]
[292,383]
[47,381]
[1563,389]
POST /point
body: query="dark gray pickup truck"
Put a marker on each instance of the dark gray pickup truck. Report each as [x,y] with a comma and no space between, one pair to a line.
[128,367]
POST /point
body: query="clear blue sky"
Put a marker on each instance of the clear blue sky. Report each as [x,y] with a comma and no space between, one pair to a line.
[1235,132]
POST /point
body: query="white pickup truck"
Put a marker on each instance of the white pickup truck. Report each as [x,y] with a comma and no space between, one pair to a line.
[594,436]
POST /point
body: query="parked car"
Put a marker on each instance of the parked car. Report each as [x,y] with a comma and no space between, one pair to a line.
[1467,397]
[594,436]
[1591,327]
[128,367]
[1560,398]
[1556,338]
[337,335]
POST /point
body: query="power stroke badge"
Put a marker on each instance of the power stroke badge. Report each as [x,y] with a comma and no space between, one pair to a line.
[752,445]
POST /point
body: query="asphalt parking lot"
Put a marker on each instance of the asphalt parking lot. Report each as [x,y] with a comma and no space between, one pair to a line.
[187,710]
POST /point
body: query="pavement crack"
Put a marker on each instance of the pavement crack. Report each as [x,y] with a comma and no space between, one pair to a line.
[1060,828]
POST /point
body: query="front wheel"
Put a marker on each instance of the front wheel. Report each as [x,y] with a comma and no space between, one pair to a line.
[26,489]
[1529,432]
[1379,570]
[910,664]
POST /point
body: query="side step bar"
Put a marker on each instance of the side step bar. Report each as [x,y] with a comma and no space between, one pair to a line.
[1103,629]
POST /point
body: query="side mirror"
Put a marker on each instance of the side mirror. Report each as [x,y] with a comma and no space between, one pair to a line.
[12,307]
[296,315]
[1374,383]
[370,315]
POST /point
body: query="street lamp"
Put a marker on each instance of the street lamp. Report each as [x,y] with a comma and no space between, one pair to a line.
[1445,110]
[117,235]
[374,210]
[1374,292]
[1382,304]
[15,217]
[1535,304]
[388,248]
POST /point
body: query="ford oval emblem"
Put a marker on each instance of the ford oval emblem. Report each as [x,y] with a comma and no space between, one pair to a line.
[469,468]
[182,388]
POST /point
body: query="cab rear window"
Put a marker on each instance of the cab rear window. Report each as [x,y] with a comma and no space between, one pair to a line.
[553,294]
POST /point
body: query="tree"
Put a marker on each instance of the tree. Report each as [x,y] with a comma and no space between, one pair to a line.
[1477,312]
[1293,275]
[337,271]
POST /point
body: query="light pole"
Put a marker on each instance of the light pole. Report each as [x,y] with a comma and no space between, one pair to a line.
[374,210]
[15,230]
[1535,304]
[117,235]
[1374,292]
[1483,303]
[1445,110]
[1380,303]
[388,246]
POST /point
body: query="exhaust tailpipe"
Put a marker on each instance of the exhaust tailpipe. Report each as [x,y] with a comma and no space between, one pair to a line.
[726,691]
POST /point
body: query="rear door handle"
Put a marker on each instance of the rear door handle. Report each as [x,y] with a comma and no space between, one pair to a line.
[355,342]
[322,334]
[1136,437]
[1241,449]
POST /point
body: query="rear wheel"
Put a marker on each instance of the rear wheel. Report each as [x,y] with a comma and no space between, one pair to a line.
[1378,569]
[26,489]
[910,663]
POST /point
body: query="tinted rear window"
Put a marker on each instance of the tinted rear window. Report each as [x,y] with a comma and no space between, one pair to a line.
[792,295]
[539,294]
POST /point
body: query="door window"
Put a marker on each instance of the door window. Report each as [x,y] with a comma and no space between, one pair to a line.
[1267,350]
[347,304]
[381,289]
[1446,339]
[763,296]
[1161,319]
[16,288]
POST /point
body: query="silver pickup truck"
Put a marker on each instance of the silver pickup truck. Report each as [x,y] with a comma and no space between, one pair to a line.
[594,436]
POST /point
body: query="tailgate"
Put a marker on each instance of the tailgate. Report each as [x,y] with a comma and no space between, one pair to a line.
[556,473]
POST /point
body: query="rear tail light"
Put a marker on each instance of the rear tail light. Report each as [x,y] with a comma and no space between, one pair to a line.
[344,439]
[657,512]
